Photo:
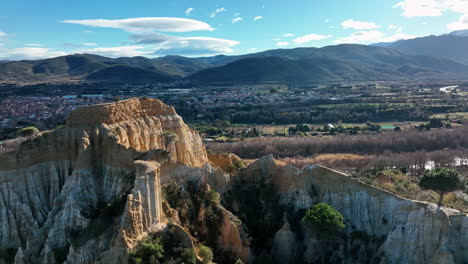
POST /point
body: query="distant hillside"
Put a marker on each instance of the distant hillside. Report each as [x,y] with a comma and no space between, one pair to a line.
[172,65]
[182,66]
[125,73]
[60,67]
[333,63]
[79,66]
[453,46]
[461,33]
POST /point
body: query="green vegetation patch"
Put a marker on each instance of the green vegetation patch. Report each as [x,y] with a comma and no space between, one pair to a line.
[162,248]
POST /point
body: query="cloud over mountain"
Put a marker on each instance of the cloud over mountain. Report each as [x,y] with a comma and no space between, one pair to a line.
[196,46]
[146,24]
[310,37]
[360,25]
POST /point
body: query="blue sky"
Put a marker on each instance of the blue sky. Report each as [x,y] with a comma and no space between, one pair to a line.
[31,29]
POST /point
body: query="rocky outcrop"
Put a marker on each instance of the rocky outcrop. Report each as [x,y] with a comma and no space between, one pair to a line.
[228,162]
[140,124]
[408,231]
[285,244]
[193,204]
[89,191]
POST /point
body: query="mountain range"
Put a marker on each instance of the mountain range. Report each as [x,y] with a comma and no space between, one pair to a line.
[332,63]
[431,57]
[452,46]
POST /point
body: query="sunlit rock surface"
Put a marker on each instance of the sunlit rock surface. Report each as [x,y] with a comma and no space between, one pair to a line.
[92,186]
[90,191]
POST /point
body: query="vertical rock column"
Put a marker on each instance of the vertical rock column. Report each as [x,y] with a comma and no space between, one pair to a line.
[143,210]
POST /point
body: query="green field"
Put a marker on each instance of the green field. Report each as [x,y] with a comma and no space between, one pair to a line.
[457,115]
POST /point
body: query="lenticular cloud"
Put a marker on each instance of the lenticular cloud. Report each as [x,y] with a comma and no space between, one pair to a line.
[146,24]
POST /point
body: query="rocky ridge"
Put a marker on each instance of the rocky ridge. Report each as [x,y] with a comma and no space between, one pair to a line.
[87,192]
[91,191]
[396,230]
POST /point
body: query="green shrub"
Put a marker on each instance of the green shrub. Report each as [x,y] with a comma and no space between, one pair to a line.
[187,256]
[206,254]
[442,180]
[175,195]
[28,131]
[324,219]
[150,252]
[214,196]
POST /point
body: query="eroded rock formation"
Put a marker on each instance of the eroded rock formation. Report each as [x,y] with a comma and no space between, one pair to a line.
[390,229]
[91,191]
[87,192]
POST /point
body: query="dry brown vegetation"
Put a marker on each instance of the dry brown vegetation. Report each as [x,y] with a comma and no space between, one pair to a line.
[401,184]
[390,142]
[392,161]
[342,161]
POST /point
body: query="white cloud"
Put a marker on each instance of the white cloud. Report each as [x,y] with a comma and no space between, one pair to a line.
[188,11]
[79,45]
[421,8]
[276,39]
[196,46]
[236,15]
[189,46]
[253,49]
[362,37]
[146,24]
[372,36]
[282,43]
[360,25]
[2,34]
[431,8]
[461,24]
[153,38]
[34,53]
[257,18]
[396,37]
[310,37]
[237,19]
[123,51]
[29,53]
[32,45]
[217,11]
[287,35]
[392,27]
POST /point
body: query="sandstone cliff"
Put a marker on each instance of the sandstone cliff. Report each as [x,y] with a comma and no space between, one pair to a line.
[390,229]
[88,191]
[91,191]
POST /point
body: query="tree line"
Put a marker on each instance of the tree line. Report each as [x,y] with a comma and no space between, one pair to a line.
[368,144]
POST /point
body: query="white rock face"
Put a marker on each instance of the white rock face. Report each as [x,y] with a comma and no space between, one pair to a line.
[88,192]
[414,232]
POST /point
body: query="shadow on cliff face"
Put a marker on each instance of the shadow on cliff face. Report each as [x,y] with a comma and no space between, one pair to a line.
[103,217]
[196,207]
[279,236]
[257,205]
